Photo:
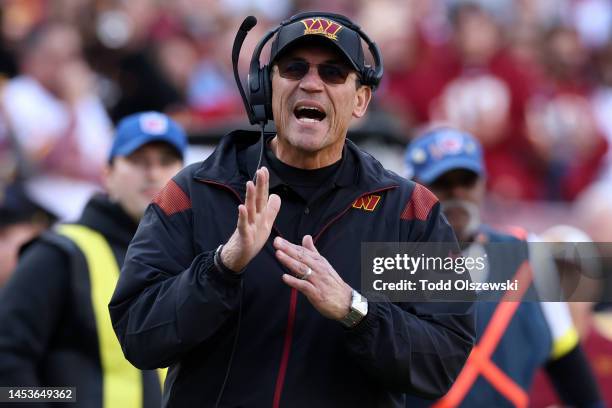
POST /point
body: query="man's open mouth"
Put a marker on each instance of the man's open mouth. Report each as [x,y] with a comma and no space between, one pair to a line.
[309,114]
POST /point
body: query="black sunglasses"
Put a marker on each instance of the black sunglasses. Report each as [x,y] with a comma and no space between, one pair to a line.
[297,69]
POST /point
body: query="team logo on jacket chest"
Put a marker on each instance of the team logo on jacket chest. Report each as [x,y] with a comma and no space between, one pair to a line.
[367,203]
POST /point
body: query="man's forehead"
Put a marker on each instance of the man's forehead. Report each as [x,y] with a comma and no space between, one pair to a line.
[156,147]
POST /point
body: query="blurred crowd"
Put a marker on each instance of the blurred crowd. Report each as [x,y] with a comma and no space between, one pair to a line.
[532,80]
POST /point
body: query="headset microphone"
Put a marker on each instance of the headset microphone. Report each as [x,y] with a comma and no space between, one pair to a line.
[245,27]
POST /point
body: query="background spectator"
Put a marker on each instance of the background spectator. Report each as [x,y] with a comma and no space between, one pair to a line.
[56,117]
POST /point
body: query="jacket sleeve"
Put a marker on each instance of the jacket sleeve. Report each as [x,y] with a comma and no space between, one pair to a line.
[168,298]
[574,380]
[418,348]
[32,304]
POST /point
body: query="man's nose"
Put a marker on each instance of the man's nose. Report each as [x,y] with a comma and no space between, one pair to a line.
[312,82]
[155,171]
[457,191]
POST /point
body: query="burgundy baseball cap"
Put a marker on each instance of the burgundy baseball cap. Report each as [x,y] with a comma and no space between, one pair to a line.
[333,29]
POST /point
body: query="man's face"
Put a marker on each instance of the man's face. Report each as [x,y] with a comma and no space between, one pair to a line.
[133,180]
[461,193]
[311,115]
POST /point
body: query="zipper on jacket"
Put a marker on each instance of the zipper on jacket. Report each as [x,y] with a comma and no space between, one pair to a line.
[280,379]
[282,371]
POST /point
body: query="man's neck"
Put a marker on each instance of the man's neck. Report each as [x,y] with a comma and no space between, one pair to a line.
[306,160]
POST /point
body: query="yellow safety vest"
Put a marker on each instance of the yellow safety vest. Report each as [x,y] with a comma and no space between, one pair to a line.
[121,381]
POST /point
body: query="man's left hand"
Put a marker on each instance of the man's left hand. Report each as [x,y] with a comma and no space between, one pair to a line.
[323,287]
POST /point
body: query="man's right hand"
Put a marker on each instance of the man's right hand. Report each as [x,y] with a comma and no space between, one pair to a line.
[255,219]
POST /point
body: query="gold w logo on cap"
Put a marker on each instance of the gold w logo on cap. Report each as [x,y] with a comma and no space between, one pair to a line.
[322,26]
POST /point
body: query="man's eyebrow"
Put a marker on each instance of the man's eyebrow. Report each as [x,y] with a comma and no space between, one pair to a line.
[335,61]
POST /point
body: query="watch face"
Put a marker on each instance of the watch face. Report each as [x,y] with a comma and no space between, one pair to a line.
[359,303]
[358,310]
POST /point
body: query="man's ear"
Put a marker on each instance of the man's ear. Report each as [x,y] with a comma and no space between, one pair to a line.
[362,99]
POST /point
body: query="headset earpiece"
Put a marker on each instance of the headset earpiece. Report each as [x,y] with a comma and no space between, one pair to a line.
[259,90]
[260,94]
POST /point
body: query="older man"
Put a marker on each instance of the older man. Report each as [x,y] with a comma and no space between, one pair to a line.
[259,305]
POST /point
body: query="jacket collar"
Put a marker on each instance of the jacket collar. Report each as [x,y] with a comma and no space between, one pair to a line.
[343,177]
[234,161]
[107,217]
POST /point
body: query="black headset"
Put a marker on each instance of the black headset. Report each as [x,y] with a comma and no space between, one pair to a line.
[258,102]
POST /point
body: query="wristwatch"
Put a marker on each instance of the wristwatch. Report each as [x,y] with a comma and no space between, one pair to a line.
[357,311]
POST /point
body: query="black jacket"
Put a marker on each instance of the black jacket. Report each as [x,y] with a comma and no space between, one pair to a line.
[48,333]
[173,307]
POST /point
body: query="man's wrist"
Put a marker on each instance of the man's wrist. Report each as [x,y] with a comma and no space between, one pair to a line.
[220,265]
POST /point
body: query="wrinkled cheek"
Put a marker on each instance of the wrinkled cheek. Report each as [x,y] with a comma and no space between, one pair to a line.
[279,111]
[340,124]
[283,118]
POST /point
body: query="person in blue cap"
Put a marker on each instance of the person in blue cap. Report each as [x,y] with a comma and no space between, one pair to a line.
[535,335]
[450,163]
[54,323]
